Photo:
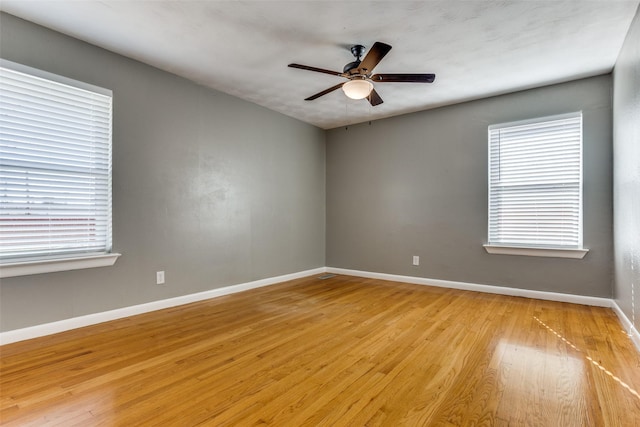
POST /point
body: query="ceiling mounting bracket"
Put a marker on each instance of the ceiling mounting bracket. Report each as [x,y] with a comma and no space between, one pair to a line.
[357,50]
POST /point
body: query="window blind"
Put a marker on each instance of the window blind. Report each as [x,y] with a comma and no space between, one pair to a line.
[55,165]
[535,183]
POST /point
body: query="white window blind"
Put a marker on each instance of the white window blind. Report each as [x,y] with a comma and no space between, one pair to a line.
[535,183]
[55,165]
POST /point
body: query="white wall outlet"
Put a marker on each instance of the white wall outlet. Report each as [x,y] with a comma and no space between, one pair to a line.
[159,277]
[416,260]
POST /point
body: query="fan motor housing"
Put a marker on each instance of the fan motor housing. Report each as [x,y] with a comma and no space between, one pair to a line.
[351,66]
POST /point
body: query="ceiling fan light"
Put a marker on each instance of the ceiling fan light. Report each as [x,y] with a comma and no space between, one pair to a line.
[357,89]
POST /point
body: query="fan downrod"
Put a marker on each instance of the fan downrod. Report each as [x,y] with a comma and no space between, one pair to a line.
[357,51]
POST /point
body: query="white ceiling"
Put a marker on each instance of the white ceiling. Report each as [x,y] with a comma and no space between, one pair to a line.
[476,48]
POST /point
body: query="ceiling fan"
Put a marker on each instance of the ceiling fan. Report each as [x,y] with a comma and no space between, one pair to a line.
[359,73]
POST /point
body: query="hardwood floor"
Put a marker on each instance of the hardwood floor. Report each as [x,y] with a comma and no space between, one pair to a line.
[343,351]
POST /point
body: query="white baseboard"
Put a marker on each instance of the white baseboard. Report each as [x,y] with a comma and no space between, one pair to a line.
[551,296]
[626,324]
[95,318]
[92,319]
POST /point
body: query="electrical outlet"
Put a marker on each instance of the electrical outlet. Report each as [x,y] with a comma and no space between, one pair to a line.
[416,260]
[159,277]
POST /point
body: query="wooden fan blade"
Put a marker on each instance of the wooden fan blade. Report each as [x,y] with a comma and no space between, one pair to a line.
[324,92]
[374,99]
[404,78]
[373,57]
[319,70]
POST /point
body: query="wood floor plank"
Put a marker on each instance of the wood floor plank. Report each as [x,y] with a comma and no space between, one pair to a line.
[343,351]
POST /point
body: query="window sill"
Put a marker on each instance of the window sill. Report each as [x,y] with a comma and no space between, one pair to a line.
[25,268]
[532,251]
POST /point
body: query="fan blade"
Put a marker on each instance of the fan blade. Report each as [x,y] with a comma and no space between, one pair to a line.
[373,57]
[324,92]
[319,70]
[374,99]
[404,78]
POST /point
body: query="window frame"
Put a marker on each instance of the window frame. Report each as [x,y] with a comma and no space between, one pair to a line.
[569,251]
[36,264]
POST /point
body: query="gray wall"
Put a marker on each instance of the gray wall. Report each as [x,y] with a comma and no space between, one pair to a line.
[626,159]
[209,188]
[417,185]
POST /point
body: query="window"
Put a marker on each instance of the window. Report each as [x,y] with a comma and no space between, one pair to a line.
[55,170]
[535,187]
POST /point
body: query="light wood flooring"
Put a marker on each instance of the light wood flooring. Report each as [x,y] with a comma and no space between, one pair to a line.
[343,351]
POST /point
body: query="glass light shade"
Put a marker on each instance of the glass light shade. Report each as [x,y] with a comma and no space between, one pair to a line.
[357,89]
